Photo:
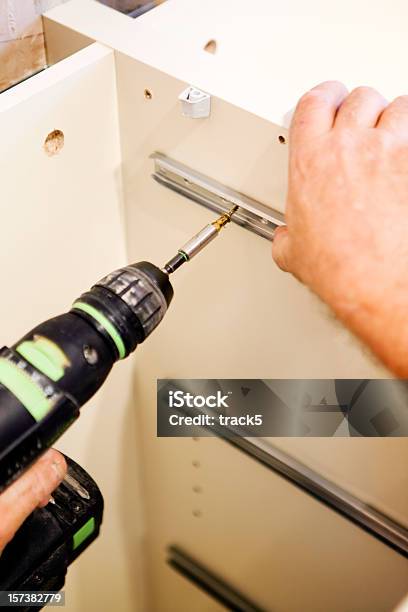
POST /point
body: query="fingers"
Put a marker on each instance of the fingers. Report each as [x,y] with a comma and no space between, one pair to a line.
[316,111]
[328,104]
[362,108]
[395,117]
[281,248]
[32,489]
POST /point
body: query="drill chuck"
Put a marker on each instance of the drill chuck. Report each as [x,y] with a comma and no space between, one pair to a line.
[127,305]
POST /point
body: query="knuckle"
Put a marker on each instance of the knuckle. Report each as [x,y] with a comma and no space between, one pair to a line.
[63,463]
[314,98]
[322,92]
[46,476]
[396,113]
[330,86]
[58,458]
[401,101]
[334,83]
[398,109]
[364,91]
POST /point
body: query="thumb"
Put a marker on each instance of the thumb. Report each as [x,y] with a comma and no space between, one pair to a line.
[281,248]
[29,491]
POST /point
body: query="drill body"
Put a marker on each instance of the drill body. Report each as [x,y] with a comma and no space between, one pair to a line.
[58,366]
[45,378]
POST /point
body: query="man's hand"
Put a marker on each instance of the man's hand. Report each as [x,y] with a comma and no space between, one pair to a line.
[347,212]
[32,490]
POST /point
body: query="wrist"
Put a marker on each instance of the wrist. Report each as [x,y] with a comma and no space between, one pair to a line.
[375,308]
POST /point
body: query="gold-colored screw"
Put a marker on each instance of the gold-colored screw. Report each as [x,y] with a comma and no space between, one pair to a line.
[225,218]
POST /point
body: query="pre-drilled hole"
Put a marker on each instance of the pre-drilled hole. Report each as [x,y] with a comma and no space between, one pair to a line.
[54,142]
[196,464]
[211,46]
[197,513]
[282,139]
[148,94]
[197,489]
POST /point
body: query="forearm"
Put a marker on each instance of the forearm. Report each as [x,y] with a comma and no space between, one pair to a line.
[381,322]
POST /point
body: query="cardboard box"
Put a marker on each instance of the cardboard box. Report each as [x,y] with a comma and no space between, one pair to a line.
[22,49]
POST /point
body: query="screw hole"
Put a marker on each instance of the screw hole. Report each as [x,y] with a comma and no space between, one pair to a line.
[282,139]
[211,46]
[197,489]
[197,513]
[54,142]
[196,464]
[148,94]
[90,354]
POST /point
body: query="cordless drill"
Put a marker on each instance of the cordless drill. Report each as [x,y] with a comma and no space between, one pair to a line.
[44,380]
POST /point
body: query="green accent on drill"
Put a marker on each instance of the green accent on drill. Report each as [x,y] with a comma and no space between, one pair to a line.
[183,254]
[25,389]
[102,320]
[45,356]
[52,350]
[83,533]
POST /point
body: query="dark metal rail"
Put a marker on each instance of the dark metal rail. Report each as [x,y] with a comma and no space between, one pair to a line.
[209,582]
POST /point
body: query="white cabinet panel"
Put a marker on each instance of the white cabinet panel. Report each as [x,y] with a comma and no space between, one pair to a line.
[61,230]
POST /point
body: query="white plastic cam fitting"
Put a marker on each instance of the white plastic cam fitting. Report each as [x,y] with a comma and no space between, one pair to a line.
[195,103]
